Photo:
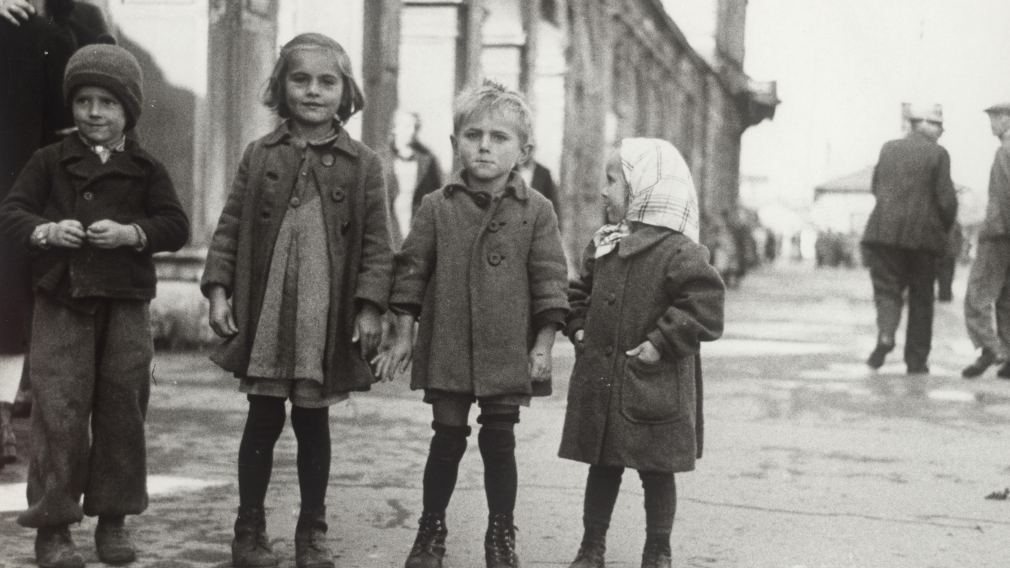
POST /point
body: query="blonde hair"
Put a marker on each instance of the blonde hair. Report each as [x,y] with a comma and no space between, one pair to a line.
[492,96]
[275,97]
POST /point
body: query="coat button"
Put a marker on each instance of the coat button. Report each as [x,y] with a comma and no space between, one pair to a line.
[494,226]
[494,259]
[88,195]
[609,350]
[611,298]
[295,202]
[329,160]
[338,194]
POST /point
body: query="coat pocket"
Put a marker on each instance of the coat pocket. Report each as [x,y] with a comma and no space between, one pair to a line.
[651,392]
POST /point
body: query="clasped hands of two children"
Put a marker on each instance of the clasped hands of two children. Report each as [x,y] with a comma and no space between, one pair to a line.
[105,234]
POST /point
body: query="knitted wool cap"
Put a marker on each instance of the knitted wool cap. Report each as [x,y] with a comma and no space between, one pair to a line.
[112,68]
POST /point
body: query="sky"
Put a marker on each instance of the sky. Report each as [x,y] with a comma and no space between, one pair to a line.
[843,69]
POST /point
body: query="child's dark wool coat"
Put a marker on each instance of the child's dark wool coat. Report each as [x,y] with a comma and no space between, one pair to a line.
[360,253]
[658,285]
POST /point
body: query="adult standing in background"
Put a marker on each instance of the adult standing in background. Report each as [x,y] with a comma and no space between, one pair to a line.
[416,172]
[989,280]
[36,39]
[916,205]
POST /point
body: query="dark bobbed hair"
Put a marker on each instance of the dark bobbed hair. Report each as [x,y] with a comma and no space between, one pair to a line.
[275,97]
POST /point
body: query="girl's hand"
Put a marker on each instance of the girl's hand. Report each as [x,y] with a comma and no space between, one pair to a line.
[367,329]
[394,362]
[221,319]
[108,234]
[646,353]
[540,364]
[68,233]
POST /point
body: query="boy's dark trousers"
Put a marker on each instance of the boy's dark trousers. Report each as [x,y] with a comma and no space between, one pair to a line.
[90,372]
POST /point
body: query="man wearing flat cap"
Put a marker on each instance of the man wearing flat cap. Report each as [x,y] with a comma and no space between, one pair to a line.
[907,232]
[987,300]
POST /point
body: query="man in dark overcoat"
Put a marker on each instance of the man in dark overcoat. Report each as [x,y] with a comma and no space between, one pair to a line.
[906,233]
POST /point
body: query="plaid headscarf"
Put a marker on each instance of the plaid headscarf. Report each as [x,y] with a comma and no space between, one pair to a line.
[661,192]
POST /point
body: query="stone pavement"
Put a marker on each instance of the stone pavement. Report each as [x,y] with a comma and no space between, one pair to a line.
[811,460]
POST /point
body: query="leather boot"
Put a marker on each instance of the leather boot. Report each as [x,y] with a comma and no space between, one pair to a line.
[55,549]
[985,360]
[429,545]
[592,549]
[657,551]
[251,547]
[112,541]
[500,542]
[8,443]
[310,540]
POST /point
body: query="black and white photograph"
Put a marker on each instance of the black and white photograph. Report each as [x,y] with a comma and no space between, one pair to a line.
[504,283]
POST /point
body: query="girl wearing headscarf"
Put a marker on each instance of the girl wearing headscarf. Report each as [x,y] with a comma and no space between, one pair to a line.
[646,296]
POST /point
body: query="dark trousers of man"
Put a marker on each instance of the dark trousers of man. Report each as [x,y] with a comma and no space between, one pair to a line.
[945,278]
[90,375]
[894,270]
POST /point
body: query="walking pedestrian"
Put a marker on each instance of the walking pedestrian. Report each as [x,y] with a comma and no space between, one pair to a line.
[907,231]
[92,208]
[987,299]
[298,272]
[645,296]
[484,269]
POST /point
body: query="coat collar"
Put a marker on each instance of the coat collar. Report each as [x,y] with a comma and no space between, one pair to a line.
[75,154]
[514,186]
[642,239]
[342,140]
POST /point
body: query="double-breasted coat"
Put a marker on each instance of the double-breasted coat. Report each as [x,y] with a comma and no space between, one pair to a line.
[483,274]
[658,286]
[360,258]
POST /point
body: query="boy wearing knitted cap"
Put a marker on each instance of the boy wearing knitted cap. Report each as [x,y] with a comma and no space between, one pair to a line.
[92,209]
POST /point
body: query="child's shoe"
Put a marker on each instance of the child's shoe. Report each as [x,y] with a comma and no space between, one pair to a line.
[112,541]
[657,551]
[500,542]
[592,549]
[55,549]
[251,547]
[310,540]
[429,545]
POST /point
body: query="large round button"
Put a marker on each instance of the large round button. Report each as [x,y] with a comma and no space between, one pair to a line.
[329,160]
[295,202]
[611,298]
[88,195]
[494,259]
[609,350]
[338,194]
[494,226]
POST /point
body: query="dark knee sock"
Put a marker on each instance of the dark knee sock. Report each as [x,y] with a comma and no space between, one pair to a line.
[312,429]
[602,485]
[447,447]
[263,426]
[660,502]
[497,444]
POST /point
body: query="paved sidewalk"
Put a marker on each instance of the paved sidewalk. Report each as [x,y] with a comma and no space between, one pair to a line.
[811,459]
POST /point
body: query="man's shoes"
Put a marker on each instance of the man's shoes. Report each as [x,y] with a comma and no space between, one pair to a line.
[55,549]
[985,360]
[1004,371]
[112,541]
[876,358]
